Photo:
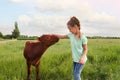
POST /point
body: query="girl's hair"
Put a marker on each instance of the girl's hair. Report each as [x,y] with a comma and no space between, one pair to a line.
[74,21]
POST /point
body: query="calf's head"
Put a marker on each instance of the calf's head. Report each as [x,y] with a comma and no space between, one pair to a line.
[48,40]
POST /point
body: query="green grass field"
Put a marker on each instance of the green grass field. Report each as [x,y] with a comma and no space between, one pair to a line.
[56,63]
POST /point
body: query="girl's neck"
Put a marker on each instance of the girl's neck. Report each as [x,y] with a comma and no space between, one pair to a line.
[78,34]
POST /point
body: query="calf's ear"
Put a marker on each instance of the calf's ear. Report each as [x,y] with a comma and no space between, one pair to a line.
[39,39]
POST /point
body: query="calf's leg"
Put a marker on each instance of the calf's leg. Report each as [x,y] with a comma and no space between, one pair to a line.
[29,70]
[37,70]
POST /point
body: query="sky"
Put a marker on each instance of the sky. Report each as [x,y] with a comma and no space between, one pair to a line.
[37,17]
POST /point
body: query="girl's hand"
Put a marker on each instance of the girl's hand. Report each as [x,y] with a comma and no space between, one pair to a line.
[81,61]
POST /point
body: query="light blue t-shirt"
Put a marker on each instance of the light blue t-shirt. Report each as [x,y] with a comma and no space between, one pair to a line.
[76,45]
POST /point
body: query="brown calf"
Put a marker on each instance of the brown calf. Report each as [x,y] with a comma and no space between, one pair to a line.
[34,50]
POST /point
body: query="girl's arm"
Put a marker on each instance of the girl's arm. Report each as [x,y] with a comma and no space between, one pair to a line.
[85,50]
[62,36]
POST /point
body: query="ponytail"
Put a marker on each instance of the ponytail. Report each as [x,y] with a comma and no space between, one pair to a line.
[74,21]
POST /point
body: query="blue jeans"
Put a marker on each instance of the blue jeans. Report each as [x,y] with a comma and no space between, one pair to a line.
[77,69]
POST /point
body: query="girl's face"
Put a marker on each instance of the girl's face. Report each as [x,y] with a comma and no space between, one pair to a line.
[73,29]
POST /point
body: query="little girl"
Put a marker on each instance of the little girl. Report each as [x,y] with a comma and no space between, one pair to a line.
[78,45]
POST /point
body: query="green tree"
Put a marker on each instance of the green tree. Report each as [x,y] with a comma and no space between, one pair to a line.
[1,35]
[8,36]
[16,33]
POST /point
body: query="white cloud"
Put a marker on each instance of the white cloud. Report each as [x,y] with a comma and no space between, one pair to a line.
[102,18]
[48,5]
[24,19]
[6,30]
[41,23]
[54,5]
[51,17]
[17,1]
[69,7]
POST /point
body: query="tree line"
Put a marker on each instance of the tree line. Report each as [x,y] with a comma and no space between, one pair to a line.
[101,37]
[16,35]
